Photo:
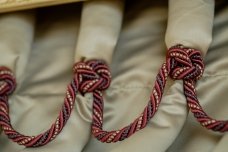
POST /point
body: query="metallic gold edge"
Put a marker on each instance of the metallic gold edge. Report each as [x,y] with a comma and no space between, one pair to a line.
[22,5]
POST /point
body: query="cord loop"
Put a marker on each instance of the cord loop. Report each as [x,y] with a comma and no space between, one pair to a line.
[92,75]
[184,63]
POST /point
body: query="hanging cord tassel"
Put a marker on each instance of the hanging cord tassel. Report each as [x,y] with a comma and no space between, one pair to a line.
[7,86]
[182,63]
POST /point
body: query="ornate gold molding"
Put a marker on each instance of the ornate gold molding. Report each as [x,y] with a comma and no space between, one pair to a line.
[13,5]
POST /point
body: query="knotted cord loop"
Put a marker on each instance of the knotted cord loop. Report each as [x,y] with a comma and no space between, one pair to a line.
[187,64]
[7,85]
[184,63]
[92,75]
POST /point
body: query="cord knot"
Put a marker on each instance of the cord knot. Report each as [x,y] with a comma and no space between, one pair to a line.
[92,75]
[184,63]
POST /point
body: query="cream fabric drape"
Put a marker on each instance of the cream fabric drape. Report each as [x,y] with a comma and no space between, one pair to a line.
[41,53]
[22,41]
[99,29]
[190,23]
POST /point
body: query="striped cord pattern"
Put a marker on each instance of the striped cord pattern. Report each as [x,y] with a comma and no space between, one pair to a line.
[187,64]
[7,86]
[94,77]
[182,64]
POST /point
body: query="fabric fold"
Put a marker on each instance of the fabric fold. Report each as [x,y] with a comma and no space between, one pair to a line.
[212,94]
[190,23]
[43,68]
[99,29]
[17,31]
[139,54]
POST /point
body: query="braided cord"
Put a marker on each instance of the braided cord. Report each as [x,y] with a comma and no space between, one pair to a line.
[7,86]
[93,76]
[139,123]
[181,64]
[199,113]
[187,64]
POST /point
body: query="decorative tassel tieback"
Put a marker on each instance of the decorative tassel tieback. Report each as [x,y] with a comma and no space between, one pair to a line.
[94,76]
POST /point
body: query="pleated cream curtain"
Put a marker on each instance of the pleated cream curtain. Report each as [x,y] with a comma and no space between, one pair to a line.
[41,47]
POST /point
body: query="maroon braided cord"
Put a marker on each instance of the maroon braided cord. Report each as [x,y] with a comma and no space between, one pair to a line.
[94,76]
[187,64]
[182,63]
[7,86]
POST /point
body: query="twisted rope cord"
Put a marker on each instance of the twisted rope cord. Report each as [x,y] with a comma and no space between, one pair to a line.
[187,64]
[94,76]
[7,86]
[181,64]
